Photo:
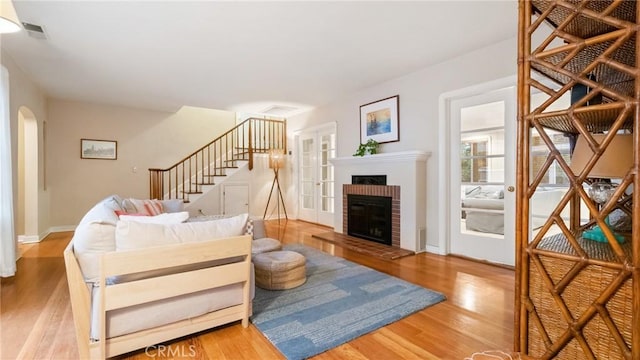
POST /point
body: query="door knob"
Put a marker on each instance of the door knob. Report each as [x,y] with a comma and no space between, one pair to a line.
[511,189]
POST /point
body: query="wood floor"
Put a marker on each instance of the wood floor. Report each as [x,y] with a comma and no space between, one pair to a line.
[36,320]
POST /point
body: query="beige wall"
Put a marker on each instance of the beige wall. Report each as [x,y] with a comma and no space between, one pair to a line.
[146,139]
[24,93]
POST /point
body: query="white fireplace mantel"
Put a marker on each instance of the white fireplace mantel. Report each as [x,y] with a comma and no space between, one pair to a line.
[407,169]
[395,157]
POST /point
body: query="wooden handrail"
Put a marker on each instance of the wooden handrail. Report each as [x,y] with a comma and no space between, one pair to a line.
[240,143]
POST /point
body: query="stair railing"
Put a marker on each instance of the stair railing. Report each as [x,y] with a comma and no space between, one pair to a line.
[240,143]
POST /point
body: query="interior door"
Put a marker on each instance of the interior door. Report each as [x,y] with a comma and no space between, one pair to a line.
[235,199]
[316,175]
[482,173]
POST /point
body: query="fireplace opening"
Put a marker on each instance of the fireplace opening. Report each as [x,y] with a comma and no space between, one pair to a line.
[369,217]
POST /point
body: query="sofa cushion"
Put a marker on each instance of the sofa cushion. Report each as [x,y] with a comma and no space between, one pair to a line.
[103,212]
[90,241]
[122,212]
[95,235]
[136,235]
[164,218]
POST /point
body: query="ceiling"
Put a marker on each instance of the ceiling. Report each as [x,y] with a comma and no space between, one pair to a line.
[242,56]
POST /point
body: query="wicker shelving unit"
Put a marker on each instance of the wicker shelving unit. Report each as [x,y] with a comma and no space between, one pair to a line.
[577,299]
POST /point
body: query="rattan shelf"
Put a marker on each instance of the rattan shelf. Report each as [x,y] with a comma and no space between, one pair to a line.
[595,118]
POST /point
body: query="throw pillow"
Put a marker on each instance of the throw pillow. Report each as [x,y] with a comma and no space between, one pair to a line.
[136,235]
[173,205]
[248,229]
[122,212]
[258,229]
[153,207]
[164,218]
[103,212]
[129,206]
[149,207]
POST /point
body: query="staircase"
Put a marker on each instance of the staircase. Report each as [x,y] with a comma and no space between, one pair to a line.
[201,170]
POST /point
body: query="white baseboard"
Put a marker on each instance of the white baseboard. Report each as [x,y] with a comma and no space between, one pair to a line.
[28,239]
[62,228]
[435,250]
[31,239]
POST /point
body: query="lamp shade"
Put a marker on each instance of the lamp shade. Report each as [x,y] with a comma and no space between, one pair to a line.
[614,163]
[276,158]
[8,18]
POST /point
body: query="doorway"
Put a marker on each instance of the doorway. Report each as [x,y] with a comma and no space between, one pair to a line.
[316,185]
[235,199]
[480,152]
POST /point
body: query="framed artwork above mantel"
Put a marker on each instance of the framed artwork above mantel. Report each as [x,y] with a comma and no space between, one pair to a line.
[380,120]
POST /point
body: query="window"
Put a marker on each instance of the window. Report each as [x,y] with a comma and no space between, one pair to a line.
[473,160]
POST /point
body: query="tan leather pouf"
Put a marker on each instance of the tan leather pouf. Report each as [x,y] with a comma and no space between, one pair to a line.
[264,245]
[280,270]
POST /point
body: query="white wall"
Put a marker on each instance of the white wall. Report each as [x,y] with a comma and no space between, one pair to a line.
[419,93]
[23,92]
[146,139]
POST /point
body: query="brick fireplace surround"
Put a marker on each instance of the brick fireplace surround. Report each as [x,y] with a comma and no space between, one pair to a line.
[391,191]
[406,171]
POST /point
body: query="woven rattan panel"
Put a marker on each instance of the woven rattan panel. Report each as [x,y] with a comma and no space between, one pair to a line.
[612,78]
[584,26]
[581,293]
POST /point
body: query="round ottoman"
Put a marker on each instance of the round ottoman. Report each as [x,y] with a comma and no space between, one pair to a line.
[263,245]
[280,270]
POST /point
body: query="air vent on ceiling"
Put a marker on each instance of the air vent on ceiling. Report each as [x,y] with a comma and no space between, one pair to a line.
[35,31]
[278,110]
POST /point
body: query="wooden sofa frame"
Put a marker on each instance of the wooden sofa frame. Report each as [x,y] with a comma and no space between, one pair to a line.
[131,293]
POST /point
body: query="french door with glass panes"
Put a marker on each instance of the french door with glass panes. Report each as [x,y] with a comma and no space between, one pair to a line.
[316,175]
[482,173]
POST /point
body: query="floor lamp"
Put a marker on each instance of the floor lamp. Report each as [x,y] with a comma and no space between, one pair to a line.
[614,163]
[276,162]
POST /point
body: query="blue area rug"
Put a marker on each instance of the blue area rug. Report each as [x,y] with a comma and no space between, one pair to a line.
[340,301]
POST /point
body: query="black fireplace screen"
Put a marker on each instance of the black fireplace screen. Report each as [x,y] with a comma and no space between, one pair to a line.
[369,179]
[369,217]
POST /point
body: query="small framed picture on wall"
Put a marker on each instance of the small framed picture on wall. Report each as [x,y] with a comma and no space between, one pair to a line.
[98,149]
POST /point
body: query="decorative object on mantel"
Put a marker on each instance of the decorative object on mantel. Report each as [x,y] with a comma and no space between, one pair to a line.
[98,149]
[370,147]
[380,120]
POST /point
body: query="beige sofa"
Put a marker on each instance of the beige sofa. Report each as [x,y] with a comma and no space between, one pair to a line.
[134,284]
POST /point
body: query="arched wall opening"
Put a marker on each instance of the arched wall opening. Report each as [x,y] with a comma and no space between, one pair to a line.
[27,202]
